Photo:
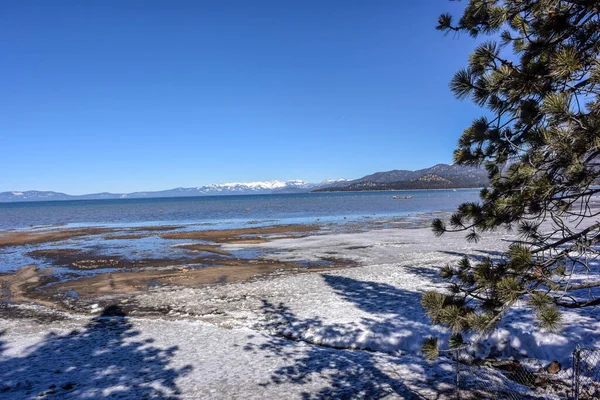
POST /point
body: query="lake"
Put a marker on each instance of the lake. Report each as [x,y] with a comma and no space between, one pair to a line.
[231,211]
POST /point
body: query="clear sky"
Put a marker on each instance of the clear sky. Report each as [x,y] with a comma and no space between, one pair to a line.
[121,95]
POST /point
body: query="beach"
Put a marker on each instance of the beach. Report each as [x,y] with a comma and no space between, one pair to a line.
[311,312]
[71,268]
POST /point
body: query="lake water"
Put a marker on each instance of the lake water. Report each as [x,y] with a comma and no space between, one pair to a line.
[230,211]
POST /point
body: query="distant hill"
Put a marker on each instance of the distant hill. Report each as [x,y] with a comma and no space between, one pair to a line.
[440,176]
[267,187]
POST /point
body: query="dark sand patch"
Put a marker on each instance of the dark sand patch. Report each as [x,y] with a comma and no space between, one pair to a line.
[134,281]
[212,265]
[56,254]
[36,237]
[16,288]
[127,236]
[203,247]
[242,235]
[31,285]
[25,280]
[142,232]
[80,260]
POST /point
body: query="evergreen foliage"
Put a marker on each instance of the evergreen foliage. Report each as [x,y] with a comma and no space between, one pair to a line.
[540,145]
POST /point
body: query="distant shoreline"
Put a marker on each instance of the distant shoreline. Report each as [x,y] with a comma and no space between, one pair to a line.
[231,195]
[395,190]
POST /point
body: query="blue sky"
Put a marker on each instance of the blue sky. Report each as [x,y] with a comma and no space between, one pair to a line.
[143,95]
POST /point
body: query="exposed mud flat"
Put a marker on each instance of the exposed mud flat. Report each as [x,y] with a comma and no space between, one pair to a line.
[17,287]
[86,271]
[244,235]
[20,238]
[196,247]
[57,234]
[38,286]
[74,268]
[226,271]
[79,260]
[111,248]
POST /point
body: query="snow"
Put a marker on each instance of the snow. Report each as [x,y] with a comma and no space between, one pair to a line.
[330,181]
[266,185]
[191,359]
[347,333]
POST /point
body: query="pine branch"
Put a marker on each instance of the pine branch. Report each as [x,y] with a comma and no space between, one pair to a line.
[571,238]
[577,304]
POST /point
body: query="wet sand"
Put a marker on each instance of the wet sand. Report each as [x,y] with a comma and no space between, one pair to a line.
[16,287]
[244,235]
[231,271]
[203,263]
[20,238]
[92,272]
[207,248]
[38,286]
[78,260]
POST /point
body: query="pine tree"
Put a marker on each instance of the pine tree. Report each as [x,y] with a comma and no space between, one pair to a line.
[540,82]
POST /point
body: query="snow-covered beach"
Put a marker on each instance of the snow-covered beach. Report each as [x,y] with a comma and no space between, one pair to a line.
[347,333]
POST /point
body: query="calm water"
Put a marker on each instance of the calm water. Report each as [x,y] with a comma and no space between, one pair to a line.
[231,210]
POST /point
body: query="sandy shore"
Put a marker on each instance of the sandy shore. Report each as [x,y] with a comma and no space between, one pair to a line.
[25,237]
[19,238]
[196,263]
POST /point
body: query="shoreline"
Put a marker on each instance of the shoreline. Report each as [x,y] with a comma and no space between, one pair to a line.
[70,268]
[71,278]
[399,190]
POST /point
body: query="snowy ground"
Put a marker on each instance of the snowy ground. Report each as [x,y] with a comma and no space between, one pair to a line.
[352,333]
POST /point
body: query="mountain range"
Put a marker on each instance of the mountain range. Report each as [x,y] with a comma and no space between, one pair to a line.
[441,176]
[267,187]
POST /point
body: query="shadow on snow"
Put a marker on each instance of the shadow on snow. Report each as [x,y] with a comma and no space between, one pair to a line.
[102,360]
[359,360]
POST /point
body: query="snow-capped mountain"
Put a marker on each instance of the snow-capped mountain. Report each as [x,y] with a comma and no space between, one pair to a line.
[256,186]
[33,195]
[266,187]
[239,188]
